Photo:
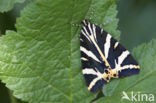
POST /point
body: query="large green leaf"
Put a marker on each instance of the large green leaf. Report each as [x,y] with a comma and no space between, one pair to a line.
[143,83]
[41,61]
[6,5]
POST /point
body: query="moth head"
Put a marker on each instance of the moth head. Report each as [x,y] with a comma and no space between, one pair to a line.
[84,22]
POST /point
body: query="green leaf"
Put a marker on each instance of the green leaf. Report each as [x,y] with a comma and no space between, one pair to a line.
[6,5]
[143,83]
[41,61]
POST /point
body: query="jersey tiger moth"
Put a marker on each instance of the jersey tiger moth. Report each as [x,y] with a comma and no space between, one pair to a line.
[103,57]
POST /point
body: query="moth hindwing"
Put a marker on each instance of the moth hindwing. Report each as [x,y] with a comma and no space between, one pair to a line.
[103,57]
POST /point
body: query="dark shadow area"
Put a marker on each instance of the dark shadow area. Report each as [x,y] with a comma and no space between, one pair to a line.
[4,95]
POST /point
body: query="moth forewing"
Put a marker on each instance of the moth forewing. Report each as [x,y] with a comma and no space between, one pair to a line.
[103,57]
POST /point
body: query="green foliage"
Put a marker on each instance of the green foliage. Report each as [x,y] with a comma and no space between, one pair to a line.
[144,82]
[6,5]
[41,61]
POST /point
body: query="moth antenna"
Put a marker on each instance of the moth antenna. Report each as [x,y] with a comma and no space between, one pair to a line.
[91,13]
[106,23]
[77,25]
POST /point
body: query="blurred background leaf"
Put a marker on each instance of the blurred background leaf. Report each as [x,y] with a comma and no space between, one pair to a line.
[6,5]
[137,21]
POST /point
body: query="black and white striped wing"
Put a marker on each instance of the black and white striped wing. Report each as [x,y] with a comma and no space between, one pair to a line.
[102,57]
[125,64]
[92,60]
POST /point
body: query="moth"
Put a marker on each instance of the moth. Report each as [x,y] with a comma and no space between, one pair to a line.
[103,57]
